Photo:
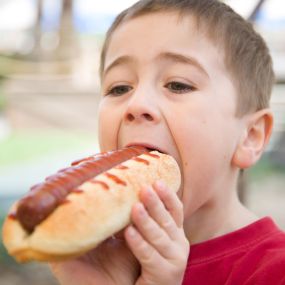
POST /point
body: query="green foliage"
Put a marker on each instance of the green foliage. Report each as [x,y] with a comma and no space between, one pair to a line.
[21,147]
[2,101]
[2,98]
[264,168]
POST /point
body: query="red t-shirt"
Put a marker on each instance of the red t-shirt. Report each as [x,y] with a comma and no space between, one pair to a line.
[253,255]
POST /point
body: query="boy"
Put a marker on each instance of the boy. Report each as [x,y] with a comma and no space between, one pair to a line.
[192,79]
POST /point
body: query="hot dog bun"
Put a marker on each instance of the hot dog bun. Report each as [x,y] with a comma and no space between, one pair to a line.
[89,217]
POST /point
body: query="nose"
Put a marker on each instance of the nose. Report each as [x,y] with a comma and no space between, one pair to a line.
[142,108]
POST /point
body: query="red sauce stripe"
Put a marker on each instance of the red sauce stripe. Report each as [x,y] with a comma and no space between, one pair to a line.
[152,155]
[121,167]
[115,178]
[77,191]
[103,184]
[139,159]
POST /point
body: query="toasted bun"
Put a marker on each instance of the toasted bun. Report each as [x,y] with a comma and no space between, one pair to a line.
[92,216]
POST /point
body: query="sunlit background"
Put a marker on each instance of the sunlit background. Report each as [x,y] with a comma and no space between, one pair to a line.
[49,92]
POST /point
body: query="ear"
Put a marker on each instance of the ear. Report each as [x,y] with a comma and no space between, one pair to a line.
[256,135]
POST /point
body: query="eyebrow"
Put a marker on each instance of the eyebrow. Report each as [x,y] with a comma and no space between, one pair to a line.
[120,60]
[175,57]
[179,58]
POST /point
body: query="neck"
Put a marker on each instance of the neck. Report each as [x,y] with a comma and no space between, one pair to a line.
[217,218]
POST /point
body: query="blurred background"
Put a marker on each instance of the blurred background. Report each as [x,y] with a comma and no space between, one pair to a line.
[49,92]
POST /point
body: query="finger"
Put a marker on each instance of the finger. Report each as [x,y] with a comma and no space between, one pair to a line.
[158,212]
[142,250]
[171,202]
[151,232]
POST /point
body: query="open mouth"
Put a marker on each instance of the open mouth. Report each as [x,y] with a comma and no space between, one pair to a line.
[154,149]
[149,147]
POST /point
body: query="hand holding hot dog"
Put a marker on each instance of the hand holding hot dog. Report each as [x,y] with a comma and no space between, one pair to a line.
[156,238]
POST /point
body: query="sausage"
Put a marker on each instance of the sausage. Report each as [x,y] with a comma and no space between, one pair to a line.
[45,197]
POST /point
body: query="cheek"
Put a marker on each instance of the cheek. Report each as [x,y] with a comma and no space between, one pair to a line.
[107,128]
[205,157]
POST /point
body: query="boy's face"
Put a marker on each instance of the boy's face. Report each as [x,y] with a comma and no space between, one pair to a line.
[165,85]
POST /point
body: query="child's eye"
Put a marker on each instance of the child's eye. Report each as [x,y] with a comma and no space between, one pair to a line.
[119,90]
[179,88]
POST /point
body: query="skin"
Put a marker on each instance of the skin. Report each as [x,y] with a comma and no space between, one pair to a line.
[173,91]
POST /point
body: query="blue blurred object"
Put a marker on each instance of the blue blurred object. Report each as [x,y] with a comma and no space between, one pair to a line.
[92,23]
[51,15]
[265,20]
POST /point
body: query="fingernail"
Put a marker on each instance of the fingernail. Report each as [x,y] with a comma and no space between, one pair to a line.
[141,209]
[160,184]
[149,191]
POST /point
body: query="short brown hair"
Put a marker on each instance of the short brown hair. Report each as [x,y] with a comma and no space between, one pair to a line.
[247,56]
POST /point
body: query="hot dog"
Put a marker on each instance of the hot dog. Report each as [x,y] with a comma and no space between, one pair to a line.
[76,209]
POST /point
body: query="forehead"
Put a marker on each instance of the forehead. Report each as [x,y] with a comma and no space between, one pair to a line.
[160,32]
